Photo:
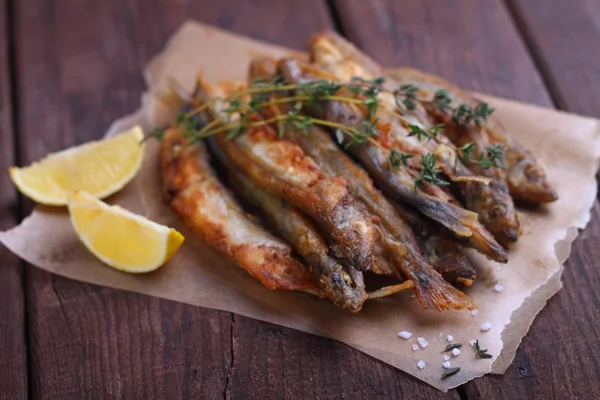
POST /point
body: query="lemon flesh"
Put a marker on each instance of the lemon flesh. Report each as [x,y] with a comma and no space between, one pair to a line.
[120,238]
[100,168]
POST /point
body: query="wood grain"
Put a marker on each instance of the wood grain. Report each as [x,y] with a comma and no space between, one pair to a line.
[474,45]
[564,37]
[13,349]
[272,362]
[477,46]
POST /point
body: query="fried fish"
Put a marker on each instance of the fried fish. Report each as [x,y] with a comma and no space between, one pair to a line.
[283,169]
[525,177]
[398,181]
[344,287]
[398,244]
[192,189]
[489,198]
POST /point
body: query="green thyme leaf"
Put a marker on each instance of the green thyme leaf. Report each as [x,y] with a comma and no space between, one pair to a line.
[429,171]
[442,101]
[452,346]
[396,158]
[448,372]
[479,352]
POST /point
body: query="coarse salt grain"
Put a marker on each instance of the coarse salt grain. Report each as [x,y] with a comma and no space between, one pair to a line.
[474,312]
[472,342]
[486,326]
[447,364]
[405,334]
[446,357]
[455,352]
[415,347]
[421,364]
[422,342]
[450,338]
[498,288]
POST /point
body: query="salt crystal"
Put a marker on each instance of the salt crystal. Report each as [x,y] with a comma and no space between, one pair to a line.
[421,364]
[405,334]
[447,364]
[446,357]
[498,288]
[455,352]
[486,326]
[472,342]
[415,347]
[450,338]
[422,342]
[474,312]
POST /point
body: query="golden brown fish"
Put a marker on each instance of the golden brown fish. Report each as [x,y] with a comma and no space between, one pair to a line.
[526,178]
[491,202]
[194,192]
[283,169]
[398,181]
[345,288]
[439,249]
[397,247]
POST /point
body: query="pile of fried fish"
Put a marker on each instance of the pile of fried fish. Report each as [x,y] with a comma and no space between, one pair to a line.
[307,207]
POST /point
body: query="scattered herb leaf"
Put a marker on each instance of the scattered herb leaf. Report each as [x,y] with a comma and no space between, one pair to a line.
[452,346]
[479,352]
[448,372]
[396,158]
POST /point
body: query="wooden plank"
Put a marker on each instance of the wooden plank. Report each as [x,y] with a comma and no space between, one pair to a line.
[478,47]
[13,362]
[474,45]
[273,362]
[564,36]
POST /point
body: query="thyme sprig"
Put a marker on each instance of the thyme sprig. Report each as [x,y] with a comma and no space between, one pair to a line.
[429,171]
[239,114]
[479,352]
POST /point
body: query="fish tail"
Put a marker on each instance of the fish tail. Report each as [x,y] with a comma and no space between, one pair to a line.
[455,218]
[433,292]
[482,240]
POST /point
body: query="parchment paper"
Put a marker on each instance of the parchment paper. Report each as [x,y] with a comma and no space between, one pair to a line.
[568,145]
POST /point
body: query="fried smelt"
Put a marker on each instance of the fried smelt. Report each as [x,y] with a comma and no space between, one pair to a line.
[526,178]
[397,243]
[488,198]
[345,288]
[398,181]
[194,192]
[439,249]
[283,169]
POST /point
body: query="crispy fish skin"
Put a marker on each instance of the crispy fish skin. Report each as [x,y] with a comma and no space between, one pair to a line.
[440,249]
[397,243]
[345,288]
[398,182]
[283,169]
[193,191]
[525,177]
[491,202]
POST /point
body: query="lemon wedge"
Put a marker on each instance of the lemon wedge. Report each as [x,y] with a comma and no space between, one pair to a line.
[120,238]
[100,168]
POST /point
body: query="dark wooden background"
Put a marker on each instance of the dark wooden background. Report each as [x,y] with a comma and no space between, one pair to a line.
[68,68]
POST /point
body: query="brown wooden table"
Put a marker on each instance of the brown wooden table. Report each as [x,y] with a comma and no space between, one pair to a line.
[68,68]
